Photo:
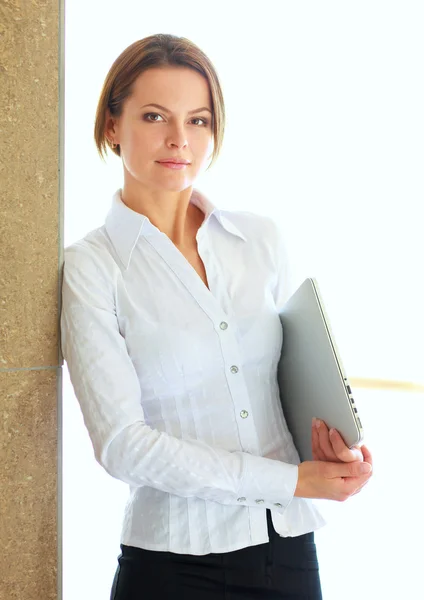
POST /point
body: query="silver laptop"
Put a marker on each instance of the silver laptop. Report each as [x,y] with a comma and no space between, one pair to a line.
[311,377]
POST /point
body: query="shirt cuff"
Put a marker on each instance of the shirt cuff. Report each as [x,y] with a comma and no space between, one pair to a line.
[267,483]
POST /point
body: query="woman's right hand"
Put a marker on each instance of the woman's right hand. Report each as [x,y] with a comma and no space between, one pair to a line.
[331,480]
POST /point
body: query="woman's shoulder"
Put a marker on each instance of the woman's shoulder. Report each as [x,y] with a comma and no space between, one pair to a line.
[92,250]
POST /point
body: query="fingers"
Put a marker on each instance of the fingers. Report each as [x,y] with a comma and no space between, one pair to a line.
[349,469]
[349,478]
[332,480]
[358,483]
[341,451]
[330,446]
[324,440]
[317,453]
[318,450]
[367,458]
[322,448]
[366,454]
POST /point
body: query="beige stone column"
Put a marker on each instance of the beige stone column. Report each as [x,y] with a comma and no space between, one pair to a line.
[31,226]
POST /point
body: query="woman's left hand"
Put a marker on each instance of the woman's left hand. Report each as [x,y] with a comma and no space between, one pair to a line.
[329,445]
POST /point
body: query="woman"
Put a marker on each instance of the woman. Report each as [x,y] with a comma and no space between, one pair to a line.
[171,333]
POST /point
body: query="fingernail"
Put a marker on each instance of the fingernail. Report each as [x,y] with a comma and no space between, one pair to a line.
[316,422]
[366,468]
[332,431]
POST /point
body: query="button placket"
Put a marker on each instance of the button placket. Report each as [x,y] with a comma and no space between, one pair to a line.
[243,413]
[233,360]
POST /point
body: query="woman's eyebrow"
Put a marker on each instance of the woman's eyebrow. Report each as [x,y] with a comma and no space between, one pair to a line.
[189,112]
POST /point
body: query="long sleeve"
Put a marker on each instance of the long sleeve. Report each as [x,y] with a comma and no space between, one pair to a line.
[108,390]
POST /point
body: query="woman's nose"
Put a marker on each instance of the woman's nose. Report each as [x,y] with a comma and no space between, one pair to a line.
[177,136]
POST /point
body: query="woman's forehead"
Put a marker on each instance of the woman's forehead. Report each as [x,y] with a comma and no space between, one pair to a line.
[172,84]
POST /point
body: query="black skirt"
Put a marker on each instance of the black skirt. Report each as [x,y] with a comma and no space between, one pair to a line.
[283,568]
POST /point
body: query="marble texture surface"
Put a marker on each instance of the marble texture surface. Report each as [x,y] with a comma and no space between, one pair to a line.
[30,242]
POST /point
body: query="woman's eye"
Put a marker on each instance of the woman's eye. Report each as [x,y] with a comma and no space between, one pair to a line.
[205,122]
[151,115]
[148,115]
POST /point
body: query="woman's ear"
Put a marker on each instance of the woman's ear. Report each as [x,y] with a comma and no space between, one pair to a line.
[111,129]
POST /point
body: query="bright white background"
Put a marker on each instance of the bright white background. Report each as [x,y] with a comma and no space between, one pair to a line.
[325,133]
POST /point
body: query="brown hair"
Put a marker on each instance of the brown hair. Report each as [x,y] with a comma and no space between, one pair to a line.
[156,51]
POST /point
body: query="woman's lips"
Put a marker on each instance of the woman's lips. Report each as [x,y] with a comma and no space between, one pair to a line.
[171,165]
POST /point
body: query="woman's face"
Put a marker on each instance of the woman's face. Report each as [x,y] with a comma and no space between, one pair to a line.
[181,129]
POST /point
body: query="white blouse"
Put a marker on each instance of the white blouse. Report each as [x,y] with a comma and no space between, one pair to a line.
[177,383]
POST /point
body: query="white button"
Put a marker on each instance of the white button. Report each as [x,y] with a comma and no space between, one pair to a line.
[244,414]
[278,504]
[234,369]
[259,501]
[242,499]
[224,325]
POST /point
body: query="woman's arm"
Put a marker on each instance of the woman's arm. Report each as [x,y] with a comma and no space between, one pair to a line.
[107,388]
